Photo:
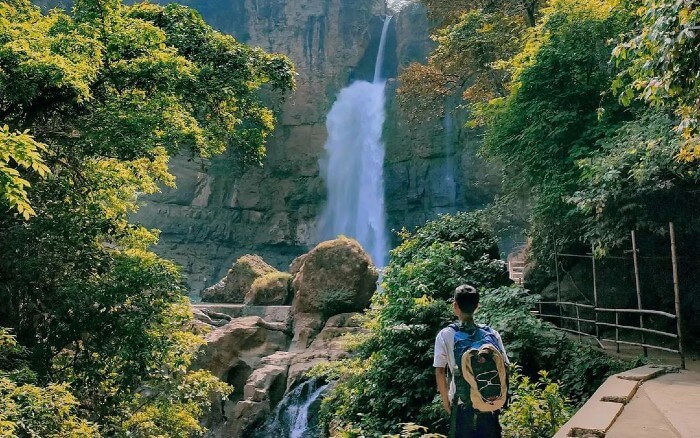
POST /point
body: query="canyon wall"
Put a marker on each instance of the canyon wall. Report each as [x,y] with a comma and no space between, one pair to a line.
[221,210]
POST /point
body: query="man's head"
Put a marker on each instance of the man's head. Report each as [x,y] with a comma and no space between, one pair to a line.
[466,300]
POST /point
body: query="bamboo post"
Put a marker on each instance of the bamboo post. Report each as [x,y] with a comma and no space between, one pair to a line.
[676,293]
[578,324]
[556,269]
[617,331]
[638,287]
[595,294]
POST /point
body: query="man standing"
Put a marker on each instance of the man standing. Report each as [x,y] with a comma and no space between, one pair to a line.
[476,387]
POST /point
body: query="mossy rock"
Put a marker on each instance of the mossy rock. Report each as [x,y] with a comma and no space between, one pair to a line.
[272,289]
[240,278]
[337,276]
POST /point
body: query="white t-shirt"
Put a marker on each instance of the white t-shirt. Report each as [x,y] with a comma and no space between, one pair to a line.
[444,353]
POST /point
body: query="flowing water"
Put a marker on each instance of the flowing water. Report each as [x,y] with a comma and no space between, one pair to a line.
[448,167]
[353,166]
[294,416]
[353,169]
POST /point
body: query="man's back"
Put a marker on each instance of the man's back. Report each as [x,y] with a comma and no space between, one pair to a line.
[465,421]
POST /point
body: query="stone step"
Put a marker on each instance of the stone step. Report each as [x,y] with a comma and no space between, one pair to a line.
[675,396]
[594,419]
[641,419]
[600,412]
[268,313]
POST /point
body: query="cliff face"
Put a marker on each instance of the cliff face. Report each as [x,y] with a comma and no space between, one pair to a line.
[431,167]
[221,210]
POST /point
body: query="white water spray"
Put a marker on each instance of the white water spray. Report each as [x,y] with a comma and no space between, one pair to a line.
[293,416]
[302,416]
[353,167]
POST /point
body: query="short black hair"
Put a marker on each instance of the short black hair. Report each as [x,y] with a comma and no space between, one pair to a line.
[467,298]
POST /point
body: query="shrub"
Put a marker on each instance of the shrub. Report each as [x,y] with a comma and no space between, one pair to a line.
[27,409]
[537,409]
[412,430]
[391,379]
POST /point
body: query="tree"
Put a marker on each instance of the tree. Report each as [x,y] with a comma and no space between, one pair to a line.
[556,112]
[18,150]
[660,63]
[108,93]
[474,42]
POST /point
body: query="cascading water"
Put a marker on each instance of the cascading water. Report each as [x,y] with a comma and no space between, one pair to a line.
[448,183]
[353,167]
[293,416]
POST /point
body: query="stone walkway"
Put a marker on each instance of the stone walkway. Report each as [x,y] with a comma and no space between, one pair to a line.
[647,402]
[667,406]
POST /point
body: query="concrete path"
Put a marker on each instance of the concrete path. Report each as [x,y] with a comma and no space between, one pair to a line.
[669,405]
[641,403]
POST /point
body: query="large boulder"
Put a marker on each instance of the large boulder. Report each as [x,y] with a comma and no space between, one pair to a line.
[242,341]
[235,286]
[337,276]
[272,289]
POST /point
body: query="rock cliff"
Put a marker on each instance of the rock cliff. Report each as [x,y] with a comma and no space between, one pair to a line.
[221,210]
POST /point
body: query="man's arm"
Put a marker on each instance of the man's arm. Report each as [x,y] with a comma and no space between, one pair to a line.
[441,379]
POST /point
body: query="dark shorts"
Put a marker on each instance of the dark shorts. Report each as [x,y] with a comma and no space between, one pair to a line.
[466,423]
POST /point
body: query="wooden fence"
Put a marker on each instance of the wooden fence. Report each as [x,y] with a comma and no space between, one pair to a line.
[589,324]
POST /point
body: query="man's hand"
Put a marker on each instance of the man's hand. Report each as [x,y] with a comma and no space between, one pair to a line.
[441,380]
[447,406]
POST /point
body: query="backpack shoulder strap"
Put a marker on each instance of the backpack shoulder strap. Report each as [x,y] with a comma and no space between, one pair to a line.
[491,332]
[486,329]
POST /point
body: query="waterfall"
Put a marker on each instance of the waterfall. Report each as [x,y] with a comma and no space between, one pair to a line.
[292,418]
[353,165]
[379,63]
[448,167]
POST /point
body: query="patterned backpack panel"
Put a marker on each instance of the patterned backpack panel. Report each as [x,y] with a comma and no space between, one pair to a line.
[481,375]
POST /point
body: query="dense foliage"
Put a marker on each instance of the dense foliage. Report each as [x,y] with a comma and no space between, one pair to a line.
[95,102]
[30,410]
[635,171]
[550,119]
[474,42]
[392,379]
[590,106]
[537,408]
[660,63]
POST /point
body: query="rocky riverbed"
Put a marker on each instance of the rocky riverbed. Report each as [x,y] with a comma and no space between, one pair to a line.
[264,351]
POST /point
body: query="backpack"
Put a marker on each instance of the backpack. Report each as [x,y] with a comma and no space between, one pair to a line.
[480,374]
